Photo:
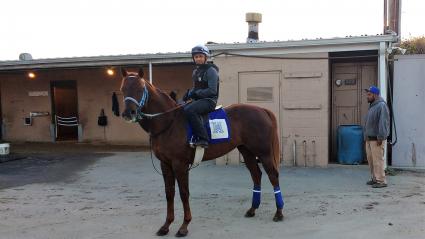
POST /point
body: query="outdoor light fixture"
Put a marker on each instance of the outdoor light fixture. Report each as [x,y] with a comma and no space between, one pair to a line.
[31,75]
[395,48]
[110,72]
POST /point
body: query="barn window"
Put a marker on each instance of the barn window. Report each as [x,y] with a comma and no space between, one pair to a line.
[260,94]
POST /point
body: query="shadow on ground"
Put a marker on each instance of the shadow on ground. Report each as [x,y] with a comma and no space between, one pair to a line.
[44,168]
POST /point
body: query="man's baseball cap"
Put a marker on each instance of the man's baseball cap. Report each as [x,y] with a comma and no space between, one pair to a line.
[373,89]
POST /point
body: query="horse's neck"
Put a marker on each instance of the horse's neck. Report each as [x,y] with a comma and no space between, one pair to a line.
[158,102]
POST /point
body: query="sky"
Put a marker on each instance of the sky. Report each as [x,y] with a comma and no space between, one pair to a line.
[65,28]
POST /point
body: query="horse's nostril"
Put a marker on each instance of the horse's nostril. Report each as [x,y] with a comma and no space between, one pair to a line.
[125,114]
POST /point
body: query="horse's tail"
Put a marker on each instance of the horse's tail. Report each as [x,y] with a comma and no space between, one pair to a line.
[275,140]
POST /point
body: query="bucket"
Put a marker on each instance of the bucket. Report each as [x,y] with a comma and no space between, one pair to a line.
[350,144]
[4,148]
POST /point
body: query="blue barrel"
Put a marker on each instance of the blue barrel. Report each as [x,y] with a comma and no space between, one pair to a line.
[350,144]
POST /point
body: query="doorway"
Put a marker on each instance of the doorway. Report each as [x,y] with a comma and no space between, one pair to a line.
[65,106]
[349,103]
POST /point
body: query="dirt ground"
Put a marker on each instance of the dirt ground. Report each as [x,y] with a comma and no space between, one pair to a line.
[98,192]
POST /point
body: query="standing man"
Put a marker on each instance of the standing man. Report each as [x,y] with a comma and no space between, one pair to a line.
[204,94]
[376,131]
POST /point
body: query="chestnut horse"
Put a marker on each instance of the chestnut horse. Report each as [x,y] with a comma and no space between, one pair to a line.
[253,132]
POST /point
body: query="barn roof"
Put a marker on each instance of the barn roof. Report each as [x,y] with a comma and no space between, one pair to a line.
[308,45]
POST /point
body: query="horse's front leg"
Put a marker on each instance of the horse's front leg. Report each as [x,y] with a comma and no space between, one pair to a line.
[182,175]
[169,180]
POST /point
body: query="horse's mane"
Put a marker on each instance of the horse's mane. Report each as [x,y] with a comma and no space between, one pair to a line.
[160,92]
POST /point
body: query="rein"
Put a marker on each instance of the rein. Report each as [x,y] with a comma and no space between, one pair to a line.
[143,101]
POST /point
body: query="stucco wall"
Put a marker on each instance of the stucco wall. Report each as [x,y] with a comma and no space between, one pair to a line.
[94,89]
[304,103]
[16,105]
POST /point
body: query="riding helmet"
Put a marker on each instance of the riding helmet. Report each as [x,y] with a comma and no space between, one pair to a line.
[201,49]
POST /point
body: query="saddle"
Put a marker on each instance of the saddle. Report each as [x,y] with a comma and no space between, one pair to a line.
[217,125]
[205,117]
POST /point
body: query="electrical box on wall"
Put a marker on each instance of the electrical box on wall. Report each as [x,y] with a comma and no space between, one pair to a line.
[28,121]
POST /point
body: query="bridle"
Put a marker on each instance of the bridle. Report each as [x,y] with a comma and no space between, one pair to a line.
[140,104]
[140,115]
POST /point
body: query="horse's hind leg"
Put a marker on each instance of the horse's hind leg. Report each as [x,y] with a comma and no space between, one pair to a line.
[169,181]
[251,164]
[273,174]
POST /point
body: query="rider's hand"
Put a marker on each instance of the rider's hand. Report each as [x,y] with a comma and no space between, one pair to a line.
[186,96]
[192,94]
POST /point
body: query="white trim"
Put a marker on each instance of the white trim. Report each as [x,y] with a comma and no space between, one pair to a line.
[303,43]
[277,192]
[382,69]
[298,50]
[304,46]
[256,191]
[382,81]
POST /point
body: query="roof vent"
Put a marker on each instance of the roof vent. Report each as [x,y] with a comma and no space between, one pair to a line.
[253,19]
[25,57]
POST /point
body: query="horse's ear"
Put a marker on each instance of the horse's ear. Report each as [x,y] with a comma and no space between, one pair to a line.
[123,72]
[141,73]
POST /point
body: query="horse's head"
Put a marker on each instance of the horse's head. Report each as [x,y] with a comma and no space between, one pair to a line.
[134,90]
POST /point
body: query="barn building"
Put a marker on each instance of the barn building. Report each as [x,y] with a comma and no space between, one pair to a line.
[312,86]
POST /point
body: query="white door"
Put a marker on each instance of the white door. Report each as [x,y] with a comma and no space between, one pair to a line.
[261,89]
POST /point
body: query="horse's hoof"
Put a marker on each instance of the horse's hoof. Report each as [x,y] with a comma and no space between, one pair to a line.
[181,233]
[162,232]
[278,218]
[250,213]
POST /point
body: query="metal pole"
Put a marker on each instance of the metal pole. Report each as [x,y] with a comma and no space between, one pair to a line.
[294,149]
[150,72]
[305,153]
[382,82]
[399,20]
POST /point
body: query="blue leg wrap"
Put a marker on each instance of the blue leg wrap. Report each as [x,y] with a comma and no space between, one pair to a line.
[279,198]
[256,196]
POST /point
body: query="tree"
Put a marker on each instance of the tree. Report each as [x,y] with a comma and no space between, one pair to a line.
[415,45]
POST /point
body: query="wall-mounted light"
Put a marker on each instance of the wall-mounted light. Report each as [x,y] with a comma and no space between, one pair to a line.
[110,72]
[31,75]
[394,49]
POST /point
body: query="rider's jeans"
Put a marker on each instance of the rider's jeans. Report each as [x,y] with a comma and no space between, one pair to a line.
[194,112]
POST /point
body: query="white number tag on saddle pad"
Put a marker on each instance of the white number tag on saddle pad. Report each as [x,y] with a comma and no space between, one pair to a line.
[218,129]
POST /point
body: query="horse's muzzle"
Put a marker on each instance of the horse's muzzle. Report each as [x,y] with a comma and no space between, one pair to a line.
[129,116]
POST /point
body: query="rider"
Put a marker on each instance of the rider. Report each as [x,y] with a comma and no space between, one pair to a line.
[204,93]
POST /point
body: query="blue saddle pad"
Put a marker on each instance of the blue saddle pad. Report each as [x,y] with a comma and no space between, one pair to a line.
[217,126]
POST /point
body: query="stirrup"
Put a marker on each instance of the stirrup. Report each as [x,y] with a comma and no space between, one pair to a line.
[199,154]
[192,142]
[218,107]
